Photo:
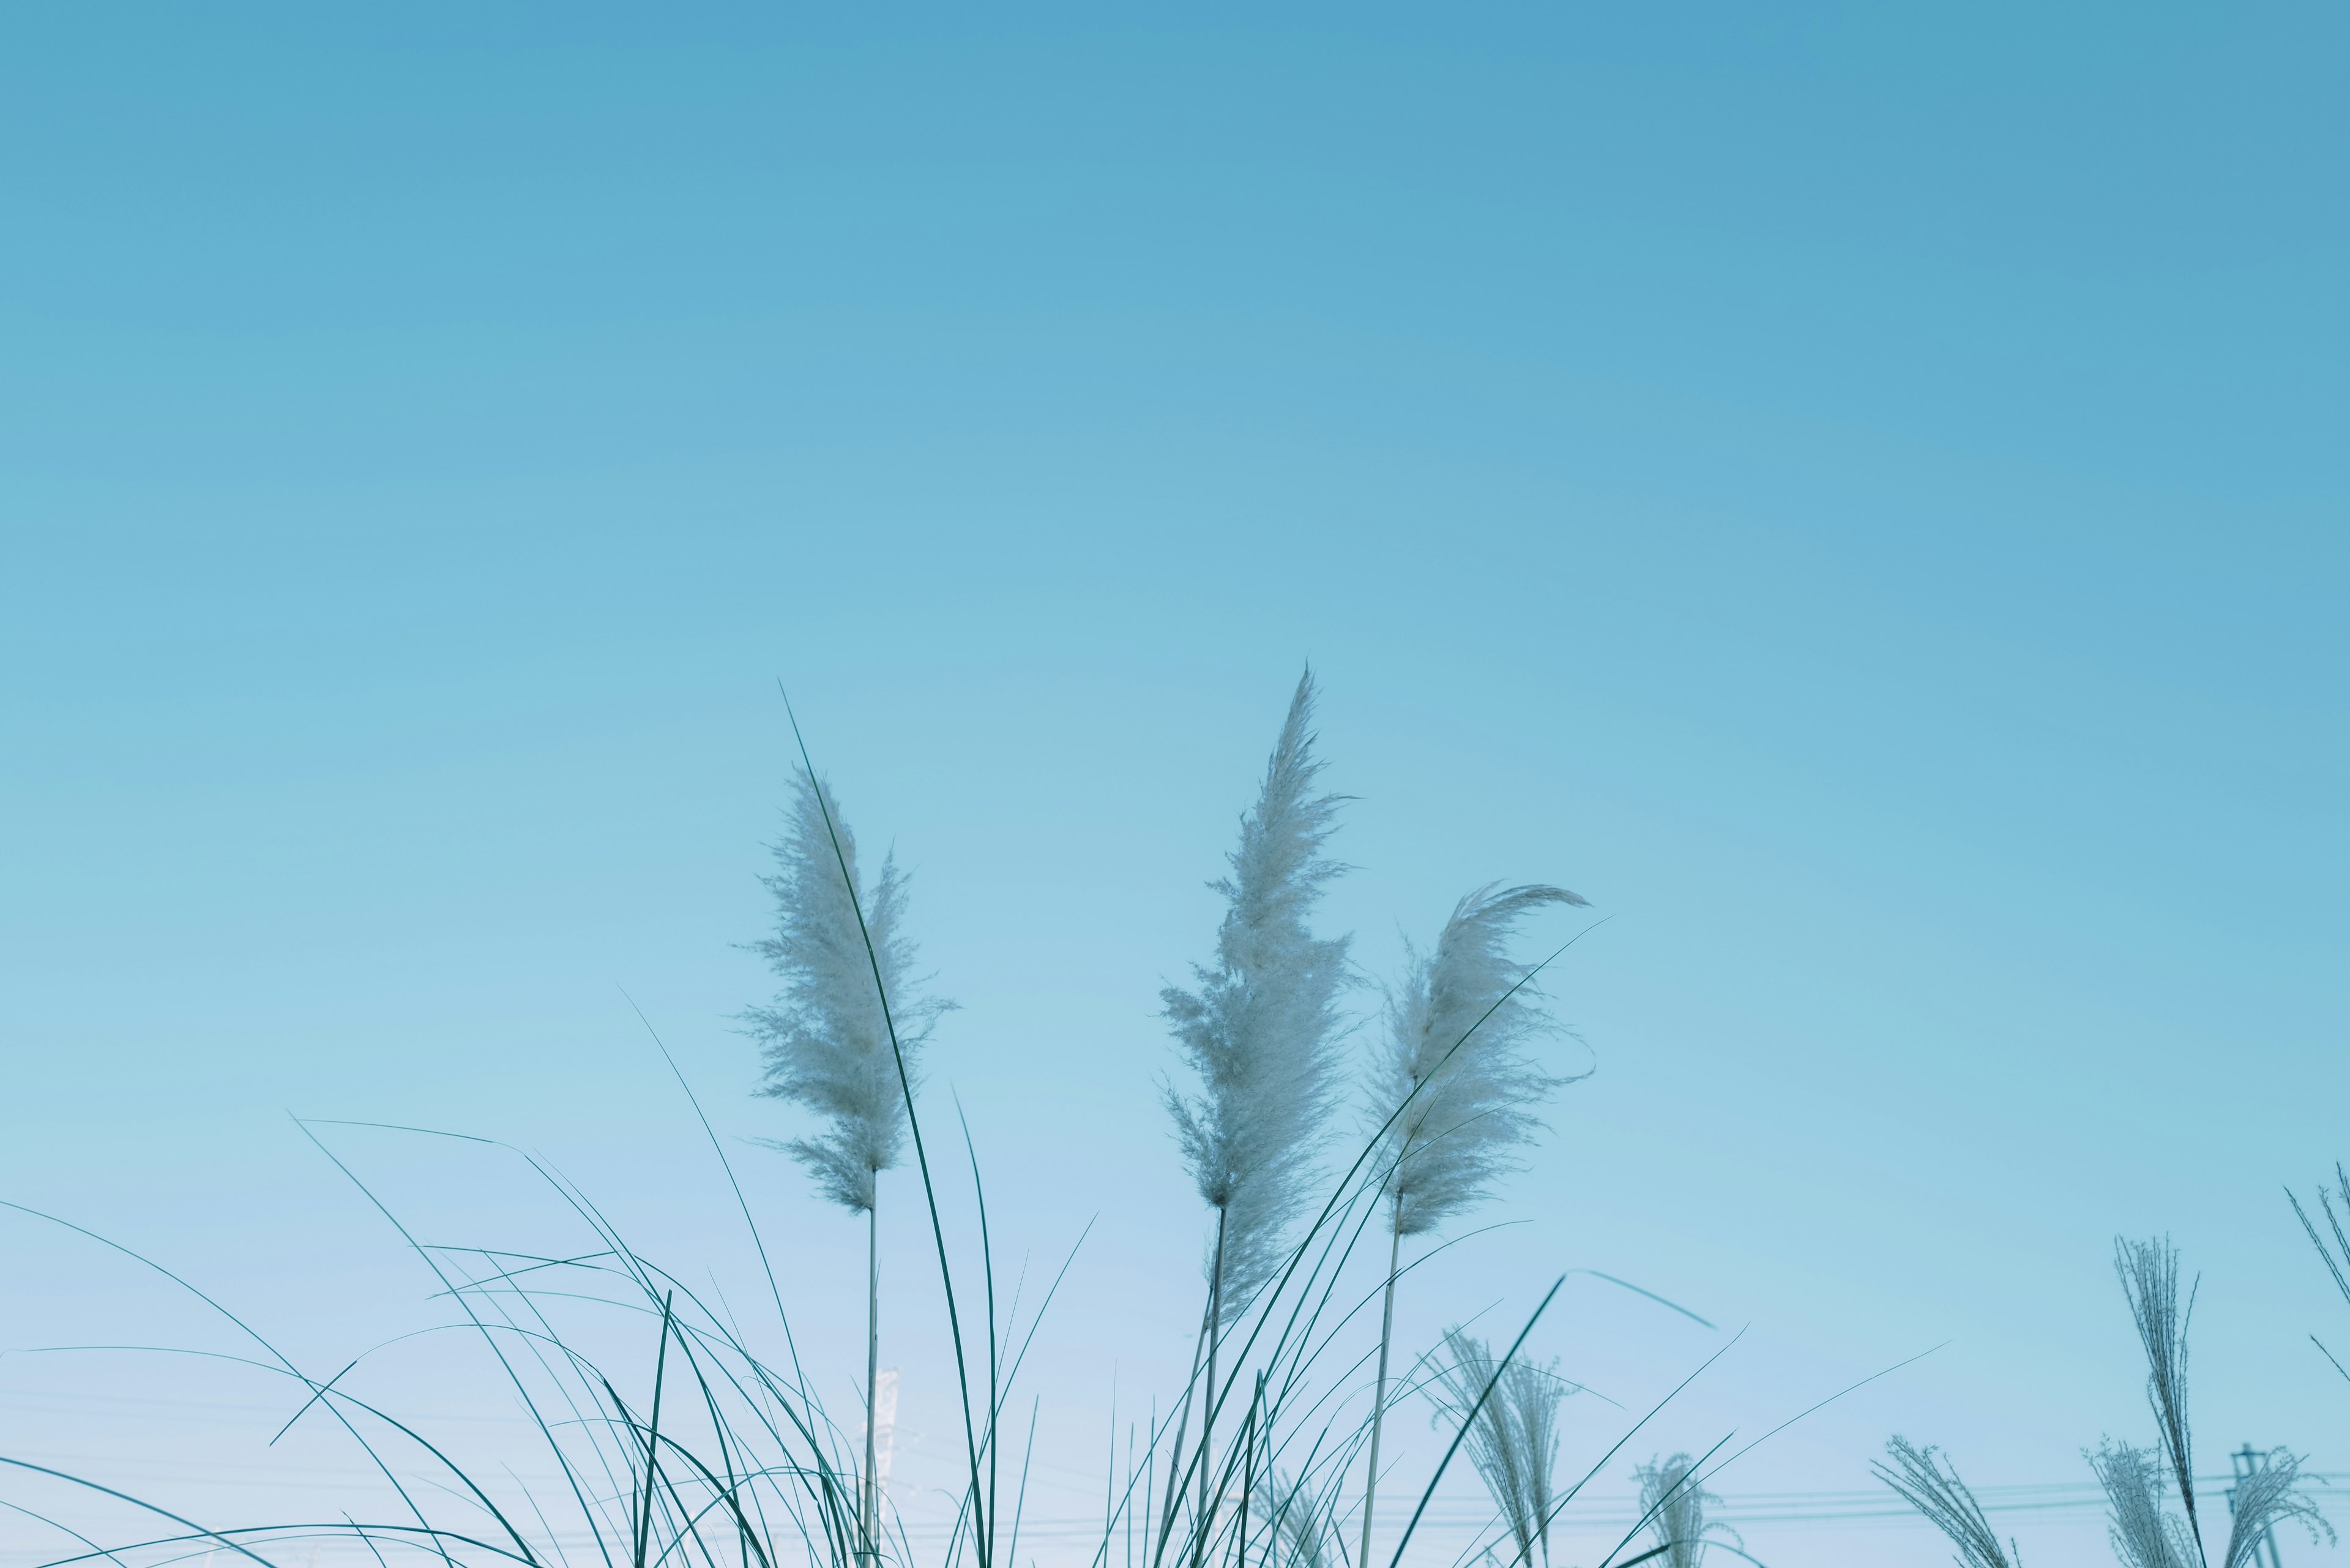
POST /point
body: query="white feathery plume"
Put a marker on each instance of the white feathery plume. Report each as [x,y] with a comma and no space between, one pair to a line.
[1674,1505]
[826,1038]
[1260,1032]
[1457,1067]
[1513,1441]
[1456,1087]
[1261,1027]
[2145,1534]
[1931,1485]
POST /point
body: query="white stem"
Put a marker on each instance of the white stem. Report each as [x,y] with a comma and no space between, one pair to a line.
[868,1501]
[1208,1409]
[1379,1398]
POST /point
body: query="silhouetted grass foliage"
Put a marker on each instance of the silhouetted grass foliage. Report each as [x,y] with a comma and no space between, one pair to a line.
[673,1437]
[2138,1480]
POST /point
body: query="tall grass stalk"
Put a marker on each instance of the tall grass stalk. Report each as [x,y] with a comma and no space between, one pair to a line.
[843,1038]
[1259,1031]
[1456,1085]
[2149,1271]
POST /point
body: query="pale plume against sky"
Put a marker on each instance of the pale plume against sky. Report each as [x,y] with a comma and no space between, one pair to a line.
[1856,493]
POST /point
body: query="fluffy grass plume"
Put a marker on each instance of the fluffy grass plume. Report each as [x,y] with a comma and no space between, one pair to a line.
[1675,1505]
[1260,1028]
[825,1039]
[1458,1077]
[1512,1438]
[1260,1032]
[1457,1088]
[1930,1484]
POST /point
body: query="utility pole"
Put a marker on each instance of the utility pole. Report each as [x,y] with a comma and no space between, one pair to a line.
[2246,1462]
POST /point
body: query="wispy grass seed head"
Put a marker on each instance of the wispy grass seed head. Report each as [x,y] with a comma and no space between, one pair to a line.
[1297,1523]
[1930,1484]
[1458,1063]
[1260,1028]
[1513,1441]
[2149,1275]
[1675,1507]
[2144,1533]
[2269,1497]
[826,1039]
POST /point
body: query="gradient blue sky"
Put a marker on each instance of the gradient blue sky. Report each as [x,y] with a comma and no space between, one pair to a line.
[1858,491]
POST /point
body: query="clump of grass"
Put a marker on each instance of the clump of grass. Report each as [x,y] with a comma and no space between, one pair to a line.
[2143,1532]
[716,1454]
[2269,1497]
[707,1454]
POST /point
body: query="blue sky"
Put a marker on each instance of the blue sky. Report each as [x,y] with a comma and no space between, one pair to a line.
[1856,491]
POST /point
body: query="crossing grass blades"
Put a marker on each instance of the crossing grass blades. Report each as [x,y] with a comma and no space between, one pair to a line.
[705,1451]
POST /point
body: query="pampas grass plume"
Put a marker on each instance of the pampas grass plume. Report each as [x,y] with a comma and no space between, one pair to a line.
[826,1038]
[1260,1027]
